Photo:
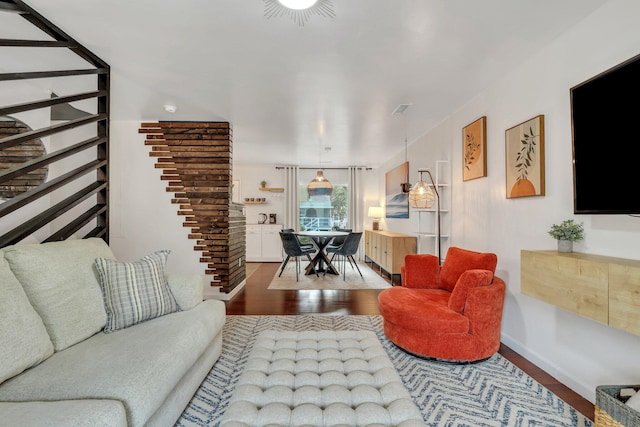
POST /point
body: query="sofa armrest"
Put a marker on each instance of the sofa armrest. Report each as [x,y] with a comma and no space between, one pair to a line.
[64,413]
[186,289]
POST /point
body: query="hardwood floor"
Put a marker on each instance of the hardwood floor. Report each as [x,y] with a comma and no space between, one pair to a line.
[256,299]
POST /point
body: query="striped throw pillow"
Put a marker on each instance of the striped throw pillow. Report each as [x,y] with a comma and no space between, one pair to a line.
[135,291]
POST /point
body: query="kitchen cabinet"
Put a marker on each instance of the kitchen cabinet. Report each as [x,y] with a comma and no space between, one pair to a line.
[263,243]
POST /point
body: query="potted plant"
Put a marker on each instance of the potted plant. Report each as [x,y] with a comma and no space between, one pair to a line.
[263,183]
[566,233]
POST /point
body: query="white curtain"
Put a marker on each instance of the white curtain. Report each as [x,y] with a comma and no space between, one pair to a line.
[291,197]
[356,214]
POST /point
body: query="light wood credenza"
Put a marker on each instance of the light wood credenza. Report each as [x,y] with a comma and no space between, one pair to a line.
[605,289]
[387,249]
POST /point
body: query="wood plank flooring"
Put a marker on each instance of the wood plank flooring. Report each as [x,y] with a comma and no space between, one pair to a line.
[256,299]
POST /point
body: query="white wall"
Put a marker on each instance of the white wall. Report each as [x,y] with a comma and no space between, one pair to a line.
[579,352]
[143,219]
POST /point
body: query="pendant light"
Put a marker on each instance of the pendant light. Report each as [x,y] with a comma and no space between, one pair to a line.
[319,186]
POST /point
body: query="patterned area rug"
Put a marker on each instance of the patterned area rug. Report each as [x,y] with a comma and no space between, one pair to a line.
[369,280]
[485,394]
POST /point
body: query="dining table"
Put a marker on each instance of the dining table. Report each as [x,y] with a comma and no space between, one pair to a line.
[321,262]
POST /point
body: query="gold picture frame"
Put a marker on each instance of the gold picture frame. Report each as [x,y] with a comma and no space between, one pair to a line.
[524,151]
[474,149]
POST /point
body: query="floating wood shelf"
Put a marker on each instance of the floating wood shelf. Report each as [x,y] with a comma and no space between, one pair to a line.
[273,189]
[601,288]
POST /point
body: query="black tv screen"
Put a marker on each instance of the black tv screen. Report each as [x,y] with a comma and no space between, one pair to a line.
[605,114]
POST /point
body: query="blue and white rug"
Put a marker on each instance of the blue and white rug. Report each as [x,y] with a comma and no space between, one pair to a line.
[487,394]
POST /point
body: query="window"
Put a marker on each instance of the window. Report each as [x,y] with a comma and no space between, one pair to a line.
[325,212]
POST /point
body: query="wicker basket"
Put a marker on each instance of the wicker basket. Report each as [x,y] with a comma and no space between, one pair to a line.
[610,411]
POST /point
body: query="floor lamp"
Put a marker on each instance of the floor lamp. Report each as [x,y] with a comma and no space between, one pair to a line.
[422,196]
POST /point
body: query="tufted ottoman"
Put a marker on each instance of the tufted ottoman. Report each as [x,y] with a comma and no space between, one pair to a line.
[320,378]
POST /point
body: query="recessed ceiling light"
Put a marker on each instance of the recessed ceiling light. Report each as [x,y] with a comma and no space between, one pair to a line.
[170,108]
[299,10]
[298,4]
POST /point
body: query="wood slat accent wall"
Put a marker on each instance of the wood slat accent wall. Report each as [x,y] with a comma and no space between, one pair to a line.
[195,158]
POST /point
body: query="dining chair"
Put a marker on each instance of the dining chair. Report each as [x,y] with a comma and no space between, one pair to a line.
[347,250]
[292,248]
[337,241]
[303,245]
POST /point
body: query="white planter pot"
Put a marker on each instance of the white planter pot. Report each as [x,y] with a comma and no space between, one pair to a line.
[565,246]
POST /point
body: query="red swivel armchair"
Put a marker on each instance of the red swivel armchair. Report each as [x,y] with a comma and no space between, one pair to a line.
[451,312]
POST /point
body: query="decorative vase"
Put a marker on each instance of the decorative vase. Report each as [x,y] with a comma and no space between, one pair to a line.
[565,246]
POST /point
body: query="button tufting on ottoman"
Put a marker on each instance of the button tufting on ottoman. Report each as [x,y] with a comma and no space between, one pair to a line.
[320,378]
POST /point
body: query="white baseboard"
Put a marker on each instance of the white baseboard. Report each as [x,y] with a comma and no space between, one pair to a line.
[214,293]
[582,389]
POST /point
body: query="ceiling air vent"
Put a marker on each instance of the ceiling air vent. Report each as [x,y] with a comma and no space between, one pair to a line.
[401,108]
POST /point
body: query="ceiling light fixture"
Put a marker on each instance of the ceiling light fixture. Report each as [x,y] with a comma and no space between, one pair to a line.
[298,4]
[298,10]
[170,108]
[320,186]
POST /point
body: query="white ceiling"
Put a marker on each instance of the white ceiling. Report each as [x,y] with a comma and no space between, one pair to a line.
[290,90]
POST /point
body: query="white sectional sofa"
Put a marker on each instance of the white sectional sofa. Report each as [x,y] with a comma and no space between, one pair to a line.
[100,343]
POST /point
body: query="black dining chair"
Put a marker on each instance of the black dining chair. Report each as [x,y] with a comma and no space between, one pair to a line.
[337,241]
[303,245]
[347,250]
[292,248]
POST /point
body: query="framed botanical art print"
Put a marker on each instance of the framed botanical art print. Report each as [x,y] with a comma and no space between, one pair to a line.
[525,158]
[474,149]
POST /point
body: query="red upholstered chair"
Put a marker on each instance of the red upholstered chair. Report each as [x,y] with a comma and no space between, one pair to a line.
[453,312]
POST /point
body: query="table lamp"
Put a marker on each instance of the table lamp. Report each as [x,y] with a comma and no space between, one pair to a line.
[376,212]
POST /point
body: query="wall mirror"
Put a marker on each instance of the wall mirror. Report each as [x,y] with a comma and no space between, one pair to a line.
[16,156]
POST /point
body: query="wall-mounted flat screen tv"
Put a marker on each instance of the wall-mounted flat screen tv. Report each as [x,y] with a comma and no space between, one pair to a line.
[605,125]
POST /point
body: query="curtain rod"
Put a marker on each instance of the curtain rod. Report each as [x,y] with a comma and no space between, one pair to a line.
[314,168]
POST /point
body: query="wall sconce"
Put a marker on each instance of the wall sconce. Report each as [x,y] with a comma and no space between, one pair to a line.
[422,196]
[376,212]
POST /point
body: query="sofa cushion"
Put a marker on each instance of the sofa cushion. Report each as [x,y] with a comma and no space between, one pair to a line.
[423,310]
[139,365]
[62,285]
[469,279]
[420,271]
[188,290]
[135,291]
[64,413]
[24,338]
[459,260]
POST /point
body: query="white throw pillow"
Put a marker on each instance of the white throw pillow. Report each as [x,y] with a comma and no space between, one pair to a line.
[24,338]
[62,285]
[135,291]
